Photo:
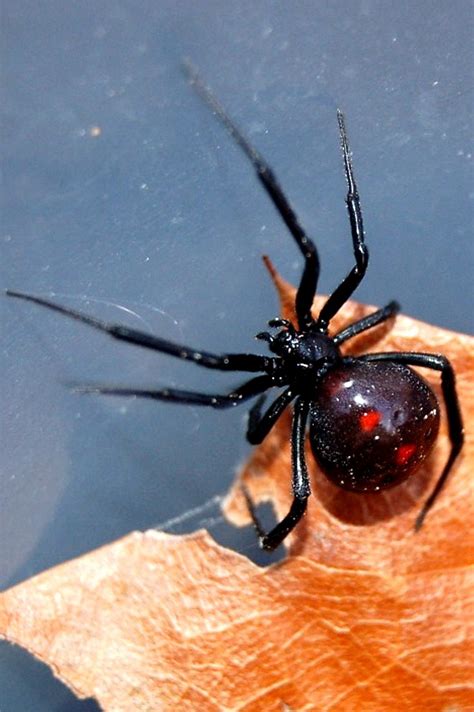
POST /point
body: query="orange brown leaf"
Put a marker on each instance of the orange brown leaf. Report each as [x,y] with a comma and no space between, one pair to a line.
[363,615]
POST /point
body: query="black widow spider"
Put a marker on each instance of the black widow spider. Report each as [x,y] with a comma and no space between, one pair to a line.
[372,419]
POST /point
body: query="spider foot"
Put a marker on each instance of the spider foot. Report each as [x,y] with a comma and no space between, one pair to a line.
[252,511]
[271,540]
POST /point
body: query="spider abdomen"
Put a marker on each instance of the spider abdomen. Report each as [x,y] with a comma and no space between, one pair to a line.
[372,424]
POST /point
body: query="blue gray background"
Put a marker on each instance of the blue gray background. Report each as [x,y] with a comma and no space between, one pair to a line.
[158,222]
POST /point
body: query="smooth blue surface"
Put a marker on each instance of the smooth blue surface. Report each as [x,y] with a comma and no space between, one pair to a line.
[161,215]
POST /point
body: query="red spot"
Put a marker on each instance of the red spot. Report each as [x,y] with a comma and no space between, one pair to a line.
[369,421]
[404,453]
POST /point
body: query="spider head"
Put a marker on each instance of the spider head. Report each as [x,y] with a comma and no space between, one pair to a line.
[313,350]
[301,349]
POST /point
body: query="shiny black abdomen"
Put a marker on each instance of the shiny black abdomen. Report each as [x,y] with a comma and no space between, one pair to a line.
[372,424]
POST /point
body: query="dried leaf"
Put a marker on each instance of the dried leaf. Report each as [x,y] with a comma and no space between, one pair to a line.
[364,615]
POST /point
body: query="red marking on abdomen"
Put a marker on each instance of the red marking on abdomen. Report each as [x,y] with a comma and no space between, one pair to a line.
[404,453]
[369,421]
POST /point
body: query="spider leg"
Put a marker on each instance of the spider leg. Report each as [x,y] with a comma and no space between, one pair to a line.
[342,293]
[260,425]
[453,411]
[224,362]
[367,322]
[300,484]
[173,395]
[309,279]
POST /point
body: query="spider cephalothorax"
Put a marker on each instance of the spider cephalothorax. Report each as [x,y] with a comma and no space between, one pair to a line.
[372,419]
[305,356]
